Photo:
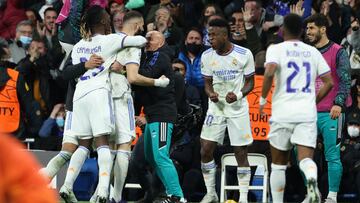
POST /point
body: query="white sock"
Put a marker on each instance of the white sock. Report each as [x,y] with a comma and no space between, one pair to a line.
[55,164]
[104,162]
[76,162]
[243,175]
[309,168]
[332,195]
[208,171]
[120,172]
[277,182]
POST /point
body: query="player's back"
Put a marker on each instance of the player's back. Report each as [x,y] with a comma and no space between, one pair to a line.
[105,46]
[294,98]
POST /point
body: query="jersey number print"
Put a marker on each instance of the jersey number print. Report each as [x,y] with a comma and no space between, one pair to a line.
[294,74]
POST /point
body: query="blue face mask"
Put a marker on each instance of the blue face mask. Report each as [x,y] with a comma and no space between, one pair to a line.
[25,40]
[60,122]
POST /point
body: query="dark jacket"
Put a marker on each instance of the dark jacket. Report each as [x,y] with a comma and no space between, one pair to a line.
[30,109]
[70,73]
[159,103]
[38,70]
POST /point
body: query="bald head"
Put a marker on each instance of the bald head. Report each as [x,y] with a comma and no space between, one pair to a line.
[155,40]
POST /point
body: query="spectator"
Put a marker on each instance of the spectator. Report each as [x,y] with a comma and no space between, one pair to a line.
[332,12]
[211,11]
[54,125]
[261,20]
[11,13]
[351,153]
[243,33]
[33,16]
[5,54]
[116,6]
[164,24]
[23,38]
[191,56]
[192,93]
[117,21]
[352,45]
[36,70]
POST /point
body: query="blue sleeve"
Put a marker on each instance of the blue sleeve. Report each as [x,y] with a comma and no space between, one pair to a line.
[307,7]
[45,130]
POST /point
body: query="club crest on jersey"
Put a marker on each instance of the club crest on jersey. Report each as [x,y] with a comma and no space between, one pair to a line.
[235,62]
[213,64]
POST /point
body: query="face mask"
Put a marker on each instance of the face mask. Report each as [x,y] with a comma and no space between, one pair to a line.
[194,48]
[60,122]
[25,40]
[353,131]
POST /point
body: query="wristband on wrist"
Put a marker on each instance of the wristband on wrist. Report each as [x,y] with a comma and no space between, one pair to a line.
[239,96]
[262,101]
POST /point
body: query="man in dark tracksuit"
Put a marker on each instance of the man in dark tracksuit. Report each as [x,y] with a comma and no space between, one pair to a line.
[160,110]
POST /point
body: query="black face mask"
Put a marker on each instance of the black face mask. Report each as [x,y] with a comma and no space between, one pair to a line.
[194,48]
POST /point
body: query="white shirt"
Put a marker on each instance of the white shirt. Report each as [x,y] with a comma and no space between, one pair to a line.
[228,73]
[298,65]
[119,83]
[105,46]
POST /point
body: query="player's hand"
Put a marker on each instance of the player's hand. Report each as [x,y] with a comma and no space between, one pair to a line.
[267,25]
[95,61]
[335,112]
[140,120]
[230,97]
[262,103]
[55,110]
[163,81]
[117,67]
[214,97]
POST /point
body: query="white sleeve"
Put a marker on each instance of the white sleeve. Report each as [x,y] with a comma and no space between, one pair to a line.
[322,65]
[129,55]
[205,68]
[114,42]
[249,68]
[272,56]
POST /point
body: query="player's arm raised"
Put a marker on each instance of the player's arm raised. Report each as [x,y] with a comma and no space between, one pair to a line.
[327,85]
[133,76]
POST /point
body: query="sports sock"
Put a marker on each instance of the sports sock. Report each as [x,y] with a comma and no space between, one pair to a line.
[76,162]
[55,164]
[277,182]
[208,171]
[243,175]
[120,172]
[104,162]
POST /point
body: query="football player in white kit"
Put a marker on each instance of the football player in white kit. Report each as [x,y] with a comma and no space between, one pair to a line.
[228,71]
[93,114]
[295,66]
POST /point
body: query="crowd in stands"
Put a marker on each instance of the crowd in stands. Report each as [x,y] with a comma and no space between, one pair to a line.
[31,40]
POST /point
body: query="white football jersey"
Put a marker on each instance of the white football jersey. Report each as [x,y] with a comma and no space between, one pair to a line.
[105,46]
[228,73]
[119,83]
[298,65]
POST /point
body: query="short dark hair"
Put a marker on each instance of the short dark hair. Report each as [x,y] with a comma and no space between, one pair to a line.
[319,19]
[220,22]
[196,29]
[258,2]
[131,15]
[293,24]
[50,9]
[176,60]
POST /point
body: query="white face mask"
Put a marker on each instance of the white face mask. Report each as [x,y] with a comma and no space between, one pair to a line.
[353,131]
[348,38]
